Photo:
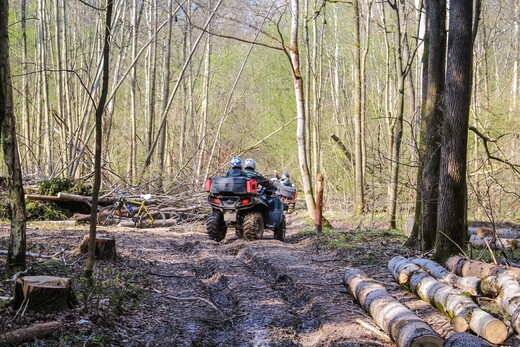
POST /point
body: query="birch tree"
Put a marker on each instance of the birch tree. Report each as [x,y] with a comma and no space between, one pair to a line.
[17,239]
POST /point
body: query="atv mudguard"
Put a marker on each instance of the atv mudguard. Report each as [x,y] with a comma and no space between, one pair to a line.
[275,213]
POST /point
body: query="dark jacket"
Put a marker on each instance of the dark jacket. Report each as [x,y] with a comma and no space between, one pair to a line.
[262,180]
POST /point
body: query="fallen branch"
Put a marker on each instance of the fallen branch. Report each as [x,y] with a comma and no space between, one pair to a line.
[35,255]
[194,298]
[32,332]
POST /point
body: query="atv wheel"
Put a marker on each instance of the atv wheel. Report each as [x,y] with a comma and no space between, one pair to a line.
[216,227]
[253,226]
[279,231]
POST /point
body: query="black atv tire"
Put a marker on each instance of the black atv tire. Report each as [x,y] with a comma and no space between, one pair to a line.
[279,231]
[253,226]
[216,227]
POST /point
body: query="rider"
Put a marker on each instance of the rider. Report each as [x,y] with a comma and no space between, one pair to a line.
[249,169]
[286,181]
[236,167]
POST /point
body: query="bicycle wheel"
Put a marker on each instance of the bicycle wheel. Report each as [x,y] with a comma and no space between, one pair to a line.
[152,219]
[109,215]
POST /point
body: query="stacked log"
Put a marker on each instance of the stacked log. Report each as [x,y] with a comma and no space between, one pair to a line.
[489,232]
[468,267]
[481,242]
[469,284]
[402,325]
[450,301]
[506,290]
[465,340]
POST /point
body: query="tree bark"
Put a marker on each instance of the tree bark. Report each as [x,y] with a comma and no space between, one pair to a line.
[469,284]
[294,56]
[89,265]
[451,220]
[17,239]
[403,326]
[465,340]
[451,302]
[432,119]
[482,242]
[44,293]
[29,333]
[468,267]
[506,289]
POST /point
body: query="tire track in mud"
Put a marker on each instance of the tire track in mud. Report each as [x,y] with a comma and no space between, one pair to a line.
[265,293]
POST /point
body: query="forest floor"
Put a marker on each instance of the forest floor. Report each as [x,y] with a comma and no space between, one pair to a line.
[175,287]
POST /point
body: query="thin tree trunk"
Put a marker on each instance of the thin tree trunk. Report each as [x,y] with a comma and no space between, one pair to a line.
[294,56]
[161,153]
[89,265]
[17,238]
[26,123]
[359,201]
[44,93]
[151,75]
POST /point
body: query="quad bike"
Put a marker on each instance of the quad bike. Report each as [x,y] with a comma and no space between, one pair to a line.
[237,202]
[288,195]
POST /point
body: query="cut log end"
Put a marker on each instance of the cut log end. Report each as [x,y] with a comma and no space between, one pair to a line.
[428,341]
[495,332]
[459,324]
[44,293]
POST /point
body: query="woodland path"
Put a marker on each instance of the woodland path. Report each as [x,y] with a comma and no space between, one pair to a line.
[175,287]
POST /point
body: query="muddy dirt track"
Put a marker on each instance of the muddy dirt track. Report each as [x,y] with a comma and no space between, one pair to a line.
[183,289]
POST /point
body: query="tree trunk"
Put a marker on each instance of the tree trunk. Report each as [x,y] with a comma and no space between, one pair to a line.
[465,340]
[467,284]
[452,302]
[506,289]
[483,242]
[294,56]
[468,267]
[32,332]
[359,200]
[26,122]
[17,239]
[89,265]
[403,326]
[432,119]
[451,221]
[44,293]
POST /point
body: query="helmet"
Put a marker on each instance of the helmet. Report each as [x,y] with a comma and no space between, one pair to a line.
[235,163]
[249,163]
[285,176]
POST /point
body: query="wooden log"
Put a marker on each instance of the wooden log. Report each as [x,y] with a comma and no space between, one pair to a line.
[468,267]
[465,340]
[29,333]
[167,223]
[467,284]
[481,242]
[506,289]
[450,301]
[507,233]
[44,293]
[105,246]
[403,326]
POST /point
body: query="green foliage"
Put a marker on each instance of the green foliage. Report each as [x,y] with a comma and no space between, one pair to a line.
[39,210]
[67,185]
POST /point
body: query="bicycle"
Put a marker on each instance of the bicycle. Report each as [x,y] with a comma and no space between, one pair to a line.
[142,217]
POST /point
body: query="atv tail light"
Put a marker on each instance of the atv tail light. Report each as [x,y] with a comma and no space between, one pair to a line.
[295,195]
[252,186]
[208,184]
[245,201]
[216,200]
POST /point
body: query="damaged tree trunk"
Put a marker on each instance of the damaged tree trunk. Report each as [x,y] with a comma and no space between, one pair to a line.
[506,290]
[464,312]
[403,326]
[468,284]
[44,293]
[468,267]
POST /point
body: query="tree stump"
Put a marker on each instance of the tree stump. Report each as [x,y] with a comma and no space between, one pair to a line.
[105,246]
[44,293]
